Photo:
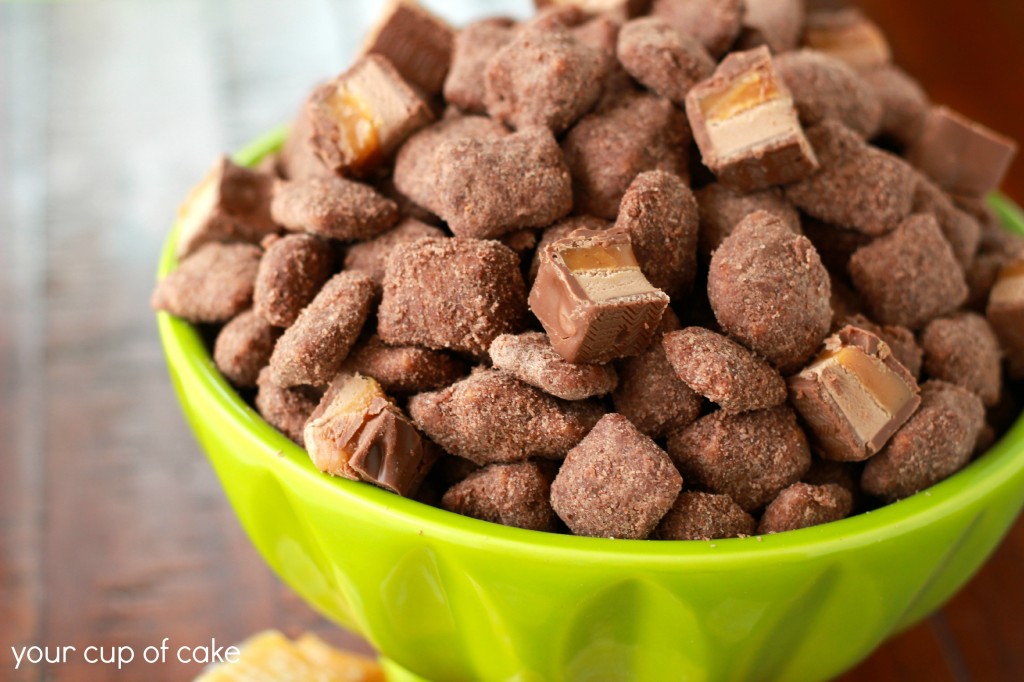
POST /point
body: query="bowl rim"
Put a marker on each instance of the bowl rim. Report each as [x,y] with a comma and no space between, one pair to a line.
[188,356]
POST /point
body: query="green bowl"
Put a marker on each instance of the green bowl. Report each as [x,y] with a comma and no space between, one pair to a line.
[445,597]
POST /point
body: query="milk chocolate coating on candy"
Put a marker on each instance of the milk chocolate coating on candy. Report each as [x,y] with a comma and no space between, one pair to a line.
[824,88]
[904,103]
[510,494]
[455,293]
[286,409]
[715,23]
[775,23]
[332,207]
[213,284]
[959,228]
[802,505]
[416,42]
[561,230]
[628,135]
[543,77]
[291,272]
[474,47]
[404,369]
[661,59]
[723,371]
[243,348]
[858,186]
[492,417]
[848,35]
[313,349]
[900,340]
[371,257]
[704,516]
[723,207]
[769,289]
[531,359]
[963,350]
[910,276]
[616,483]
[936,443]
[750,456]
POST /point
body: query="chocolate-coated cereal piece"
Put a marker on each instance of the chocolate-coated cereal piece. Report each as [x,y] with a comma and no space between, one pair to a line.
[848,35]
[243,348]
[768,288]
[292,271]
[715,23]
[213,284]
[416,42]
[619,9]
[661,59]
[963,350]
[615,483]
[516,494]
[298,159]
[843,474]
[313,349]
[802,505]
[457,293]
[1005,312]
[286,409]
[704,516]
[904,104]
[332,207]
[959,228]
[900,340]
[824,87]
[474,47]
[750,456]
[775,23]
[371,257]
[530,358]
[833,243]
[722,207]
[404,369]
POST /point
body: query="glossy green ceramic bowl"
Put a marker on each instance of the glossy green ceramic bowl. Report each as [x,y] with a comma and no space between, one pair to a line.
[448,598]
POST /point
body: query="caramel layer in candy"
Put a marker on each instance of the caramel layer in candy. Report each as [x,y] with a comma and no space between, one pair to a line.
[592,298]
[358,433]
[746,125]
[854,396]
[416,42]
[848,35]
[361,116]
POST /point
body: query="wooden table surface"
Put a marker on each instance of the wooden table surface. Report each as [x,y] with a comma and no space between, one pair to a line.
[113,528]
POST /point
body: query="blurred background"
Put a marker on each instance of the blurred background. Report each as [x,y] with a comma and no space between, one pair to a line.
[113,528]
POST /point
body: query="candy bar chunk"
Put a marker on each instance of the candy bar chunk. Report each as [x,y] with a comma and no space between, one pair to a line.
[704,516]
[561,230]
[313,349]
[458,294]
[802,505]
[404,369]
[963,350]
[775,23]
[493,417]
[417,43]
[489,187]
[298,158]
[516,494]
[854,396]
[962,156]
[904,104]
[722,208]
[292,271]
[959,228]
[593,299]
[723,371]
[749,456]
[936,443]
[286,409]
[362,116]
[530,358]
[358,433]
[768,289]
[618,9]
[243,348]
[858,186]
[231,204]
[213,284]
[661,59]
[371,257]
[332,207]
[628,135]
[746,125]
[1005,313]
[715,23]
[847,35]
[900,340]
[474,47]
[824,88]
[909,277]
[616,483]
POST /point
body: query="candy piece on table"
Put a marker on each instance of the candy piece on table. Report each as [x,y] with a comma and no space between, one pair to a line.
[493,417]
[293,269]
[617,9]
[963,350]
[243,348]
[904,104]
[362,116]
[858,187]
[615,483]
[848,35]
[964,157]
[474,47]
[212,284]
[910,276]
[824,87]
[936,443]
[332,207]
[854,396]
[961,230]
[1005,313]
[371,257]
[530,358]
[231,204]
[746,126]
[900,340]
[358,433]
[722,208]
[313,349]
[769,290]
[286,409]
[404,369]
[775,23]
[661,59]
[802,505]
[749,456]
[629,134]
[516,494]
[704,516]
[455,293]
[714,23]
[416,42]
[723,371]
[593,299]
[561,230]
